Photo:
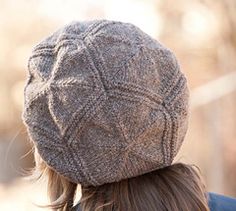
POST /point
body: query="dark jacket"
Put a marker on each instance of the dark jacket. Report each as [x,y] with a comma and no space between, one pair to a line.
[216,203]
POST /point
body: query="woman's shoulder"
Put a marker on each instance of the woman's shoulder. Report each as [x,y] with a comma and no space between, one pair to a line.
[216,202]
[219,202]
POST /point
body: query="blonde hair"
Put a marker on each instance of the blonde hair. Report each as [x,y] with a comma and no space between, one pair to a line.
[174,188]
[61,191]
[178,187]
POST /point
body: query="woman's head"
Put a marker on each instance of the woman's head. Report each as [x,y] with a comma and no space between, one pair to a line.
[104,102]
[174,188]
[178,187]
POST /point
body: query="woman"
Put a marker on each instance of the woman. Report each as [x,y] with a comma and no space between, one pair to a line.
[106,107]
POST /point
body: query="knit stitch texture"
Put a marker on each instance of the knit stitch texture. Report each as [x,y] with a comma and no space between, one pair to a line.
[104,101]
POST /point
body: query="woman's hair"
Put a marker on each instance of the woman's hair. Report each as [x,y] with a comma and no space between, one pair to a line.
[61,192]
[178,187]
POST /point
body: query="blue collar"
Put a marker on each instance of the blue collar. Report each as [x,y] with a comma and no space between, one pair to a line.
[219,202]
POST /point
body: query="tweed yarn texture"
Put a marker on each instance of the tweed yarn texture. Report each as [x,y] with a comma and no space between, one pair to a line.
[104,101]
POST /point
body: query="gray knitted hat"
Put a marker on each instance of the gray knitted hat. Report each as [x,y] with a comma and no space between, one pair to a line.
[104,102]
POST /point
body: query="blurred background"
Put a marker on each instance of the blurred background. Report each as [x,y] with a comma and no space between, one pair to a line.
[202,33]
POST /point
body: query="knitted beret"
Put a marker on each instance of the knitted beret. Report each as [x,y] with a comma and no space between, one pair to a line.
[104,101]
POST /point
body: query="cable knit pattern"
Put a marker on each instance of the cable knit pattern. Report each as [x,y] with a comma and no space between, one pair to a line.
[104,101]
